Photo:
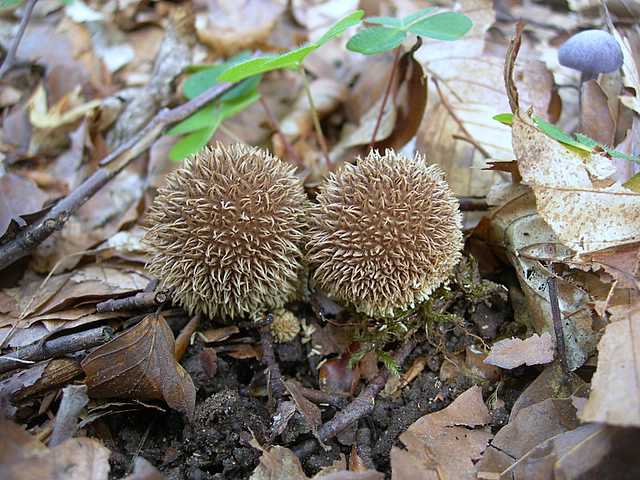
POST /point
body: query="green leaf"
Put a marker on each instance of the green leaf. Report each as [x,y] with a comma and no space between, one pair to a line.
[9,3]
[292,59]
[386,21]
[591,143]
[229,109]
[558,134]
[192,143]
[633,183]
[242,89]
[340,26]
[443,26]
[203,118]
[206,76]
[417,16]
[202,81]
[246,69]
[373,40]
[505,118]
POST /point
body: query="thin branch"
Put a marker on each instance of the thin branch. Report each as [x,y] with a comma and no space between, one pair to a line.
[468,137]
[55,347]
[274,377]
[32,236]
[392,76]
[556,314]
[364,403]
[139,301]
[13,48]
[316,119]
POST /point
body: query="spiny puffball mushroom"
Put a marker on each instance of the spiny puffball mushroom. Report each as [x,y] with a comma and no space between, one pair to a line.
[385,233]
[591,52]
[227,230]
[285,326]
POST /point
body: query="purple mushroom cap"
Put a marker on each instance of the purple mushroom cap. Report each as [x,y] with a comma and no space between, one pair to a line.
[591,52]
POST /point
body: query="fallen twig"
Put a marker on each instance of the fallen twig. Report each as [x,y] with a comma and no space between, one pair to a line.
[32,236]
[55,347]
[139,301]
[363,404]
[557,325]
[318,396]
[13,48]
[274,376]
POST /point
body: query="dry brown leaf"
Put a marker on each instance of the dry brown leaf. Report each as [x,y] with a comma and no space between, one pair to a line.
[513,352]
[140,364]
[615,387]
[51,125]
[278,462]
[444,445]
[230,27]
[218,334]
[530,427]
[576,194]
[402,115]
[310,411]
[530,243]
[23,457]
[102,216]
[630,68]
[327,95]
[471,80]
[597,121]
[18,196]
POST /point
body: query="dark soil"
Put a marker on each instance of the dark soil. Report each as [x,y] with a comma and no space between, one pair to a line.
[233,411]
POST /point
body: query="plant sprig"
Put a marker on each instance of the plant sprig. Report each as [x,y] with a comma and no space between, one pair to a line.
[292,59]
[579,141]
[390,32]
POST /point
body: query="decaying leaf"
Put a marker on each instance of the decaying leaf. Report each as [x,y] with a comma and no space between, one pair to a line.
[229,28]
[513,352]
[530,243]
[470,78]
[23,457]
[140,364]
[18,196]
[576,194]
[615,388]
[444,445]
[530,427]
[402,114]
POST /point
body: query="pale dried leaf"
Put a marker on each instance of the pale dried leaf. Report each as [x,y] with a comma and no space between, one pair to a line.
[471,80]
[448,442]
[513,352]
[576,194]
[615,387]
[529,242]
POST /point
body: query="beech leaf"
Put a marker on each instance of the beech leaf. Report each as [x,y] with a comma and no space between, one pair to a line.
[140,364]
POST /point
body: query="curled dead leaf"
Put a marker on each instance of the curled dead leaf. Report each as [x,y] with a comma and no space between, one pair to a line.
[140,364]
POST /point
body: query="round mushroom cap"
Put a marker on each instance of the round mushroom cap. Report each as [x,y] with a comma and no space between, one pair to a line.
[591,51]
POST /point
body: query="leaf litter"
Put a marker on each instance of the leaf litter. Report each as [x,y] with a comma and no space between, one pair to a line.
[529,371]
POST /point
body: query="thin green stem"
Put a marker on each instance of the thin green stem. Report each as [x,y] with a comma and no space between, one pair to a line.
[316,118]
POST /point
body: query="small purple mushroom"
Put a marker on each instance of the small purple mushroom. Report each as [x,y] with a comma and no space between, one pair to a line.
[591,52]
